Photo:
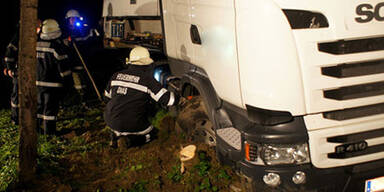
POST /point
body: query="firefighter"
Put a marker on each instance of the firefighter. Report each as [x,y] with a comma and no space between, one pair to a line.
[78,29]
[128,96]
[10,60]
[79,36]
[53,74]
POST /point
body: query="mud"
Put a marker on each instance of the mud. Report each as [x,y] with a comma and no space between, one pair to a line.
[150,167]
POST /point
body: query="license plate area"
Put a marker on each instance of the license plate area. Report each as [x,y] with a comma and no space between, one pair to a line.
[374,185]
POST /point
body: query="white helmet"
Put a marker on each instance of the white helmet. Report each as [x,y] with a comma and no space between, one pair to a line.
[50,26]
[72,13]
[139,56]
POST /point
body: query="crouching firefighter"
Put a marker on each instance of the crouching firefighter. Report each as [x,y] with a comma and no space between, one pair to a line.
[128,95]
[10,70]
[53,74]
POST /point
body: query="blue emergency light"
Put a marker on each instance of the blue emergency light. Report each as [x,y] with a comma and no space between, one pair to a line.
[79,22]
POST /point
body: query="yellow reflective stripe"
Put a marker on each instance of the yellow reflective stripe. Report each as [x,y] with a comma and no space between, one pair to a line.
[9,59]
[79,67]
[80,86]
[13,105]
[53,51]
[108,94]
[144,132]
[158,95]
[48,84]
[171,99]
[46,117]
[66,73]
[130,85]
[12,46]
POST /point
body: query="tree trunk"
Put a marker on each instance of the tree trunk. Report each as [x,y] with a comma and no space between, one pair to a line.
[27,90]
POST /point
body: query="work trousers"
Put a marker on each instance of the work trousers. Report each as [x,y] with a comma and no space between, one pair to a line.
[47,108]
[133,139]
[82,85]
[15,102]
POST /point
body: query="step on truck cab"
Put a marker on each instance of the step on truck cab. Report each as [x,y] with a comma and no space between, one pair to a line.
[294,89]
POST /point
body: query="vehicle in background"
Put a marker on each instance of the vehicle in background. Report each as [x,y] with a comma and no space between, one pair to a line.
[132,22]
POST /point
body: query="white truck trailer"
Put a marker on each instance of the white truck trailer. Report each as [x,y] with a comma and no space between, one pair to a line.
[293,91]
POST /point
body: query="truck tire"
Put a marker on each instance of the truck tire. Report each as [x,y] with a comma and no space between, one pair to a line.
[194,122]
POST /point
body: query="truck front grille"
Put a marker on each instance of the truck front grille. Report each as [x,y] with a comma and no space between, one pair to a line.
[354,70]
[356,91]
[352,46]
[354,145]
[356,141]
[352,113]
[357,136]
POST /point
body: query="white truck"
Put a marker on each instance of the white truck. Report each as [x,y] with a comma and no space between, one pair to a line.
[293,91]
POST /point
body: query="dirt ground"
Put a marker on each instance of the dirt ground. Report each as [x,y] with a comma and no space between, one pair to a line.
[152,167]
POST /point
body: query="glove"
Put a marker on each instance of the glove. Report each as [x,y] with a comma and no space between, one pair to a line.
[10,73]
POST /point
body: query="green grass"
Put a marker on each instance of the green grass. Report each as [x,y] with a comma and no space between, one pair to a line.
[156,120]
[50,149]
[9,141]
[204,176]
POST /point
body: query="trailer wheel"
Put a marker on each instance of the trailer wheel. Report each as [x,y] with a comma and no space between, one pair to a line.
[194,122]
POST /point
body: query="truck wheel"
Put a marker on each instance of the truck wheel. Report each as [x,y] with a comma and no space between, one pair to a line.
[194,122]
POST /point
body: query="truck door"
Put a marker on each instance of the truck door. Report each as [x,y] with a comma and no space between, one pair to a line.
[177,20]
[214,24]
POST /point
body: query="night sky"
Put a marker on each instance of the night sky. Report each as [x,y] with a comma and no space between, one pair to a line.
[9,9]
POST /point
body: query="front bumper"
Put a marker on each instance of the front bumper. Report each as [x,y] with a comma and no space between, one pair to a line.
[349,178]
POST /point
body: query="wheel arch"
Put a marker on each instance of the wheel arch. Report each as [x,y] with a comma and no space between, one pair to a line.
[205,89]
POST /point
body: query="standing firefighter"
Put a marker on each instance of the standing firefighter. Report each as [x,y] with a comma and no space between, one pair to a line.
[10,70]
[82,38]
[53,73]
[128,95]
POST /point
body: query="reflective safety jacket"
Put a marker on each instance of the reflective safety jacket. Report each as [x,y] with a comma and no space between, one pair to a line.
[11,54]
[85,39]
[128,94]
[53,66]
[92,33]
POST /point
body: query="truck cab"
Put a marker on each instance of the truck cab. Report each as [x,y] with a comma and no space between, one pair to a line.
[294,89]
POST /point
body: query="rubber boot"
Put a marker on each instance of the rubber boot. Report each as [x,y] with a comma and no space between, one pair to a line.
[124,142]
[49,127]
[113,142]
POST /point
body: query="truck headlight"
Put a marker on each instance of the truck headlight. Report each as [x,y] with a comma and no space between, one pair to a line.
[273,154]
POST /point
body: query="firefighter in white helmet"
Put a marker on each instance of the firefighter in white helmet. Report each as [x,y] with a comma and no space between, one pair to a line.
[53,74]
[78,33]
[72,13]
[128,95]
